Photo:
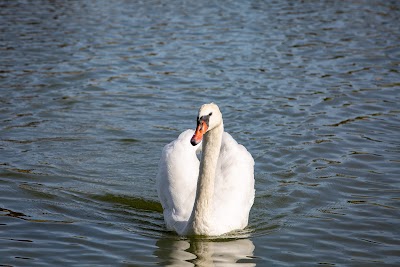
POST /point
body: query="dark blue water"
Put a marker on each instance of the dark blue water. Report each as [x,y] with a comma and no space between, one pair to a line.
[90,92]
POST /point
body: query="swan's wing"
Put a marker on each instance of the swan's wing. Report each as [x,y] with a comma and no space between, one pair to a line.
[177,180]
[234,185]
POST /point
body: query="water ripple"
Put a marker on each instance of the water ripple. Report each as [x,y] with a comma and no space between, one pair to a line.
[92,91]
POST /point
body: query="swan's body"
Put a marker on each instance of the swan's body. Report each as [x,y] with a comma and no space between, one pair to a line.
[212,196]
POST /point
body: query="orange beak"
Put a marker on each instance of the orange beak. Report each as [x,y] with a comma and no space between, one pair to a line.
[201,129]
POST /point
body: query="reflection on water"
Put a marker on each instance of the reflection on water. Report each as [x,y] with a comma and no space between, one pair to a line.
[203,252]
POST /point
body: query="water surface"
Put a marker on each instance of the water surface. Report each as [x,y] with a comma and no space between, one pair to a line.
[92,91]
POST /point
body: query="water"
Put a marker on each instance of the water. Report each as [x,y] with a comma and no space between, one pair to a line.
[92,91]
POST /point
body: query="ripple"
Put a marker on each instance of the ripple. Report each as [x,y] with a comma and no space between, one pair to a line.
[92,92]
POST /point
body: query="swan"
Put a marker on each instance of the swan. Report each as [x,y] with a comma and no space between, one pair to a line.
[212,196]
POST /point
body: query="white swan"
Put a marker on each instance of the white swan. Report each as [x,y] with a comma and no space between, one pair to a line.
[210,197]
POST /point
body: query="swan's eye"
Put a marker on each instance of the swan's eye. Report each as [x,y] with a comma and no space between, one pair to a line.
[210,114]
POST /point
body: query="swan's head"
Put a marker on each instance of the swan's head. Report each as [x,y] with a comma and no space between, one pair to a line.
[209,117]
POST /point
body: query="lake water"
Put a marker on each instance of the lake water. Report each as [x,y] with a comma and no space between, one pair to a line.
[91,91]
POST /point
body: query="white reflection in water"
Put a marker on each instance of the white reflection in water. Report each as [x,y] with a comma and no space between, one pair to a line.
[202,252]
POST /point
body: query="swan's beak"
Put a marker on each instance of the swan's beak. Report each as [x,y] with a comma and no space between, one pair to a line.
[201,129]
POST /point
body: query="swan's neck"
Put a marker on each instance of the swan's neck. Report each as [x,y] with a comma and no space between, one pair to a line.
[201,216]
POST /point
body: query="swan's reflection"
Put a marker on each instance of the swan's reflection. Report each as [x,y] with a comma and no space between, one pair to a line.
[205,252]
